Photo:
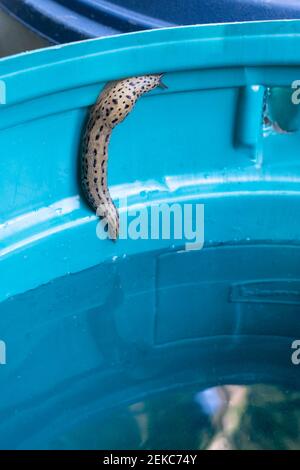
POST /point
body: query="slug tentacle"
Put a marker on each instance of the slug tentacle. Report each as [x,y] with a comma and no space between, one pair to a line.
[114,103]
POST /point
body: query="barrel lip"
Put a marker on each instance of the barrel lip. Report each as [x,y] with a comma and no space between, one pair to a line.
[268,43]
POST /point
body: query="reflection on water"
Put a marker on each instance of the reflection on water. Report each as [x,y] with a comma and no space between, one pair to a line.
[219,418]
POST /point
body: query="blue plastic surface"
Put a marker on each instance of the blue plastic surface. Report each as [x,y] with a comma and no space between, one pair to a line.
[69,20]
[91,325]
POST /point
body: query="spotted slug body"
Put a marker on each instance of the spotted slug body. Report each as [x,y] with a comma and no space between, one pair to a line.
[114,103]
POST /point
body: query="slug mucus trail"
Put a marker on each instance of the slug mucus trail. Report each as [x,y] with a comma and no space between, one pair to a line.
[114,103]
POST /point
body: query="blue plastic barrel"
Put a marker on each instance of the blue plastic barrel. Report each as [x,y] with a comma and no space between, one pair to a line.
[62,21]
[91,330]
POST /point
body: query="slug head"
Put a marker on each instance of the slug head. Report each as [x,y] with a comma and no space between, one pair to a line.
[118,101]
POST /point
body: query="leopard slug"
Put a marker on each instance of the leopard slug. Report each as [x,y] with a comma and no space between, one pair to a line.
[114,103]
